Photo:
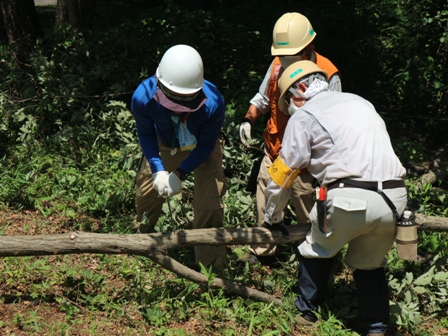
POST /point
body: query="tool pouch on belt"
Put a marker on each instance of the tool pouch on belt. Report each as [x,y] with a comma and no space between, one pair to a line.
[406,237]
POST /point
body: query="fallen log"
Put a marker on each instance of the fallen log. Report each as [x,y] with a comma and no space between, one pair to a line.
[432,223]
[140,244]
[155,245]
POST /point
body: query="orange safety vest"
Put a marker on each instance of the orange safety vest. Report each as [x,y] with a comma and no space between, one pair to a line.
[276,125]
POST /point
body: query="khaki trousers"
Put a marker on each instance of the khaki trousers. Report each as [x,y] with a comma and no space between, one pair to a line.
[302,196]
[209,188]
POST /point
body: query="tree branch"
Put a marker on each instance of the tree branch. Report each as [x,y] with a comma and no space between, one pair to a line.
[187,273]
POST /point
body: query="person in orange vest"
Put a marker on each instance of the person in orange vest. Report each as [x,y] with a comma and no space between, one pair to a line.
[292,36]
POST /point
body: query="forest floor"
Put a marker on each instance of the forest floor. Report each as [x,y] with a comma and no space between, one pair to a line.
[23,314]
[20,313]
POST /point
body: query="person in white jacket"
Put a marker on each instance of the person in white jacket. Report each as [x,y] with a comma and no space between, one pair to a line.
[343,142]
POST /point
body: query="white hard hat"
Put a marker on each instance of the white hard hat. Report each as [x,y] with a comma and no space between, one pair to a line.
[180,78]
[292,33]
[181,70]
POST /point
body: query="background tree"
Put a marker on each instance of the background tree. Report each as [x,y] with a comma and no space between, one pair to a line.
[74,12]
[22,27]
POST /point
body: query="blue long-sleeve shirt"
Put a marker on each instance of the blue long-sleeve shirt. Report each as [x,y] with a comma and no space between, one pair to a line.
[155,123]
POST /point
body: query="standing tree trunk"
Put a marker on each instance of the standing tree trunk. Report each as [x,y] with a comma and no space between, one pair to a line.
[74,12]
[67,12]
[3,36]
[22,27]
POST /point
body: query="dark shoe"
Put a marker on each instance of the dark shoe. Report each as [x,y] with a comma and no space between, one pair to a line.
[306,319]
[249,258]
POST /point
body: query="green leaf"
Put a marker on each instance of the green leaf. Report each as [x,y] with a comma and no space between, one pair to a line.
[433,243]
[409,277]
[441,276]
[423,280]
[420,290]
[408,297]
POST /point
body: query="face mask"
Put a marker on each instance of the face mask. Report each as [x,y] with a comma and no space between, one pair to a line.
[288,60]
[292,108]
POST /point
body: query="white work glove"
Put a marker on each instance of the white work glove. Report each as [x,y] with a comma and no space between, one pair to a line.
[170,186]
[245,129]
[159,181]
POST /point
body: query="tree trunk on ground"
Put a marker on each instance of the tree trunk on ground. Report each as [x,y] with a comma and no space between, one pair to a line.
[22,27]
[432,223]
[155,245]
[140,244]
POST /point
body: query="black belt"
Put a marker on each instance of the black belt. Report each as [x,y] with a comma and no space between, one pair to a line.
[372,186]
[368,185]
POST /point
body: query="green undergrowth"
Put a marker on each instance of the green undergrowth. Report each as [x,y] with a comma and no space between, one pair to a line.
[69,155]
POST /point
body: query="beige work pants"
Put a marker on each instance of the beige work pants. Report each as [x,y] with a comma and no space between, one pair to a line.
[302,196]
[209,188]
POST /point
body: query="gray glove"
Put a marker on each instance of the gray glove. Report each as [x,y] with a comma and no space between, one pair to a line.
[245,130]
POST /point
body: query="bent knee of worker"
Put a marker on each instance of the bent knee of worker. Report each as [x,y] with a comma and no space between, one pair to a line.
[208,193]
[145,192]
[320,245]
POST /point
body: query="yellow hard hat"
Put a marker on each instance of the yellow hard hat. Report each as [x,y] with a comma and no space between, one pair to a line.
[292,74]
[292,33]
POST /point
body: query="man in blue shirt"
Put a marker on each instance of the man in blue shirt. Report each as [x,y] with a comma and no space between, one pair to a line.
[179,118]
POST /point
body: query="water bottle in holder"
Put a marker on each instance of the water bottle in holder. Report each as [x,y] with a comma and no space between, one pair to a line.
[406,238]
